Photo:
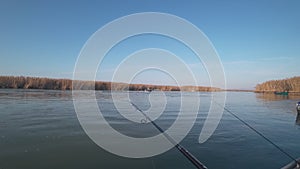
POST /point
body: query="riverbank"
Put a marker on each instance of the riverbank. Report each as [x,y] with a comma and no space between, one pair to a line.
[290,85]
[21,82]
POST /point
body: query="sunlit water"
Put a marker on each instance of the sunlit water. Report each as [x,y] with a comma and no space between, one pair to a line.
[39,129]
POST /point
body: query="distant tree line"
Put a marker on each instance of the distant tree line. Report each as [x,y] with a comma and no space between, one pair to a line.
[21,82]
[290,85]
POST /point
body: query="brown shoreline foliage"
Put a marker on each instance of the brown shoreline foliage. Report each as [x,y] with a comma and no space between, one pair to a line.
[21,82]
[290,85]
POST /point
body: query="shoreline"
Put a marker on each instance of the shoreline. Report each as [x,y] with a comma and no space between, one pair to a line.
[22,82]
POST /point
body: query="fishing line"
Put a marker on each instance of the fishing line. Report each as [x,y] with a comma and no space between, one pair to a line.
[260,134]
[187,154]
[193,159]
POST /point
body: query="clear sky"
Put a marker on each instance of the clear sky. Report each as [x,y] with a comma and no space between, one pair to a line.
[257,40]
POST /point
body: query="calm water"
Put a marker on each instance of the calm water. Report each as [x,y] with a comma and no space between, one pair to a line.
[39,129]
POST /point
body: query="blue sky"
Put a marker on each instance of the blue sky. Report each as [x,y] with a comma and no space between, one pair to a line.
[256,40]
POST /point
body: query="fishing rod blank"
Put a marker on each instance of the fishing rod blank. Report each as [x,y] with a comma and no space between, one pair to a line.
[186,153]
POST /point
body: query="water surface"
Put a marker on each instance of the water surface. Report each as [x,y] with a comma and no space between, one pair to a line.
[39,129]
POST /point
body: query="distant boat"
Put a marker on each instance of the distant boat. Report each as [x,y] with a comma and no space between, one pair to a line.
[282,93]
[148,90]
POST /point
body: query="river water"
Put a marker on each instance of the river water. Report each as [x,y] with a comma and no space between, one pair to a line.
[40,129]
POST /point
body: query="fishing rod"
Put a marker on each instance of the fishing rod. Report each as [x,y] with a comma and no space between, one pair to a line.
[179,147]
[260,134]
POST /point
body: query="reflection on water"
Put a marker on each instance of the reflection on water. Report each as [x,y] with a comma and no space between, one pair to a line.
[274,97]
[286,103]
[27,94]
[298,119]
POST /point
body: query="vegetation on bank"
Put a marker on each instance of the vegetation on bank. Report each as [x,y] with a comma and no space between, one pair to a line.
[291,85]
[22,82]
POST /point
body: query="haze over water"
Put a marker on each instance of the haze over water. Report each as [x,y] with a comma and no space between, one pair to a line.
[39,129]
